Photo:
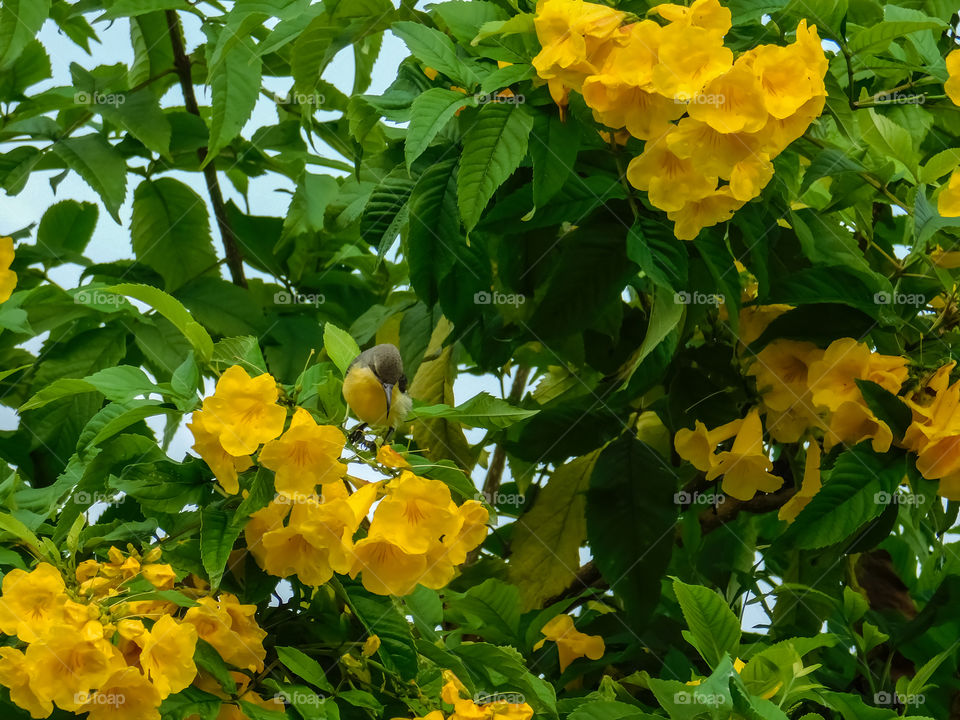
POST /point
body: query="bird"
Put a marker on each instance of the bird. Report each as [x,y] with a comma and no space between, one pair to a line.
[375,389]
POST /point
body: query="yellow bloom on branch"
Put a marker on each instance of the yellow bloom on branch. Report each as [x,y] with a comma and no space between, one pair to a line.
[32,601]
[243,411]
[305,456]
[952,85]
[746,466]
[809,486]
[15,675]
[698,446]
[206,444]
[126,694]
[948,201]
[166,655]
[571,643]
[833,377]
[232,630]
[8,278]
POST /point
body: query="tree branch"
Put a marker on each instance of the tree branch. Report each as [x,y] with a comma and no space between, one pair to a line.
[181,62]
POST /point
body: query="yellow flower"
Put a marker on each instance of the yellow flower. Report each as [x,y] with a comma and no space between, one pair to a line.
[853,422]
[416,513]
[778,133]
[574,38]
[754,320]
[243,411]
[166,655]
[453,688]
[697,446]
[690,57]
[8,278]
[670,181]
[305,456]
[160,575]
[949,259]
[65,665]
[732,102]
[948,201]
[370,645]
[707,14]
[126,694]
[207,445]
[707,211]
[15,675]
[571,643]
[781,370]
[231,628]
[387,569]
[746,466]
[952,85]
[809,487]
[789,76]
[934,407]
[388,457]
[32,601]
[503,710]
[833,377]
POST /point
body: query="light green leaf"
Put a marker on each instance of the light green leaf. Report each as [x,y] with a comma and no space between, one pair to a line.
[66,228]
[20,20]
[235,83]
[306,667]
[492,149]
[172,310]
[714,629]
[218,533]
[340,346]
[876,38]
[429,113]
[483,410]
[436,50]
[99,164]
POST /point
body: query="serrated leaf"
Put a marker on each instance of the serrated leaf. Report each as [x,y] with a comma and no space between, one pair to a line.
[434,235]
[387,209]
[20,20]
[492,149]
[482,410]
[218,533]
[429,113]
[714,628]
[876,38]
[172,310]
[66,228]
[235,85]
[99,164]
[436,50]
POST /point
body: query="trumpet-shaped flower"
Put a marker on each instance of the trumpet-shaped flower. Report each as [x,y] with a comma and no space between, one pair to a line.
[305,456]
[571,643]
[746,466]
[952,85]
[833,377]
[32,601]
[698,446]
[243,411]
[809,487]
[8,278]
[166,655]
[225,466]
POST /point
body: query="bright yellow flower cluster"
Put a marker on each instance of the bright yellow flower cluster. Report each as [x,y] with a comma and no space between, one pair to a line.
[934,433]
[948,202]
[455,693]
[8,278]
[417,534]
[571,643]
[83,648]
[705,116]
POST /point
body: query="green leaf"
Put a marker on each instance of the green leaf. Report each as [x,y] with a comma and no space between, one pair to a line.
[490,610]
[244,351]
[851,496]
[632,555]
[652,246]
[498,669]
[218,533]
[429,113]
[131,8]
[340,346]
[122,383]
[545,550]
[382,618]
[20,20]
[171,231]
[99,164]
[306,667]
[173,311]
[939,165]
[207,658]
[886,406]
[235,85]
[434,237]
[313,195]
[66,228]
[554,145]
[387,209]
[876,38]
[190,702]
[492,149]
[436,50]
[714,629]
[483,410]
[139,114]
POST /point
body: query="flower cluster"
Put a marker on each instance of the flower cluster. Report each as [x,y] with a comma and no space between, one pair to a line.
[705,116]
[8,278]
[803,388]
[455,693]
[571,643]
[88,645]
[934,433]
[417,534]
[948,202]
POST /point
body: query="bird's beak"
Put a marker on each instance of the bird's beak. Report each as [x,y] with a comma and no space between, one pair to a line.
[388,389]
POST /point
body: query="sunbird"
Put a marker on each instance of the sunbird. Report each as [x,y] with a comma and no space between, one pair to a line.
[375,389]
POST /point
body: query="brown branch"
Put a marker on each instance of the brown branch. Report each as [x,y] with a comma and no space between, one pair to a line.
[712,519]
[181,62]
[587,577]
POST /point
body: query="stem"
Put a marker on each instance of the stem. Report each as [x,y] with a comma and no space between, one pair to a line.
[181,62]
